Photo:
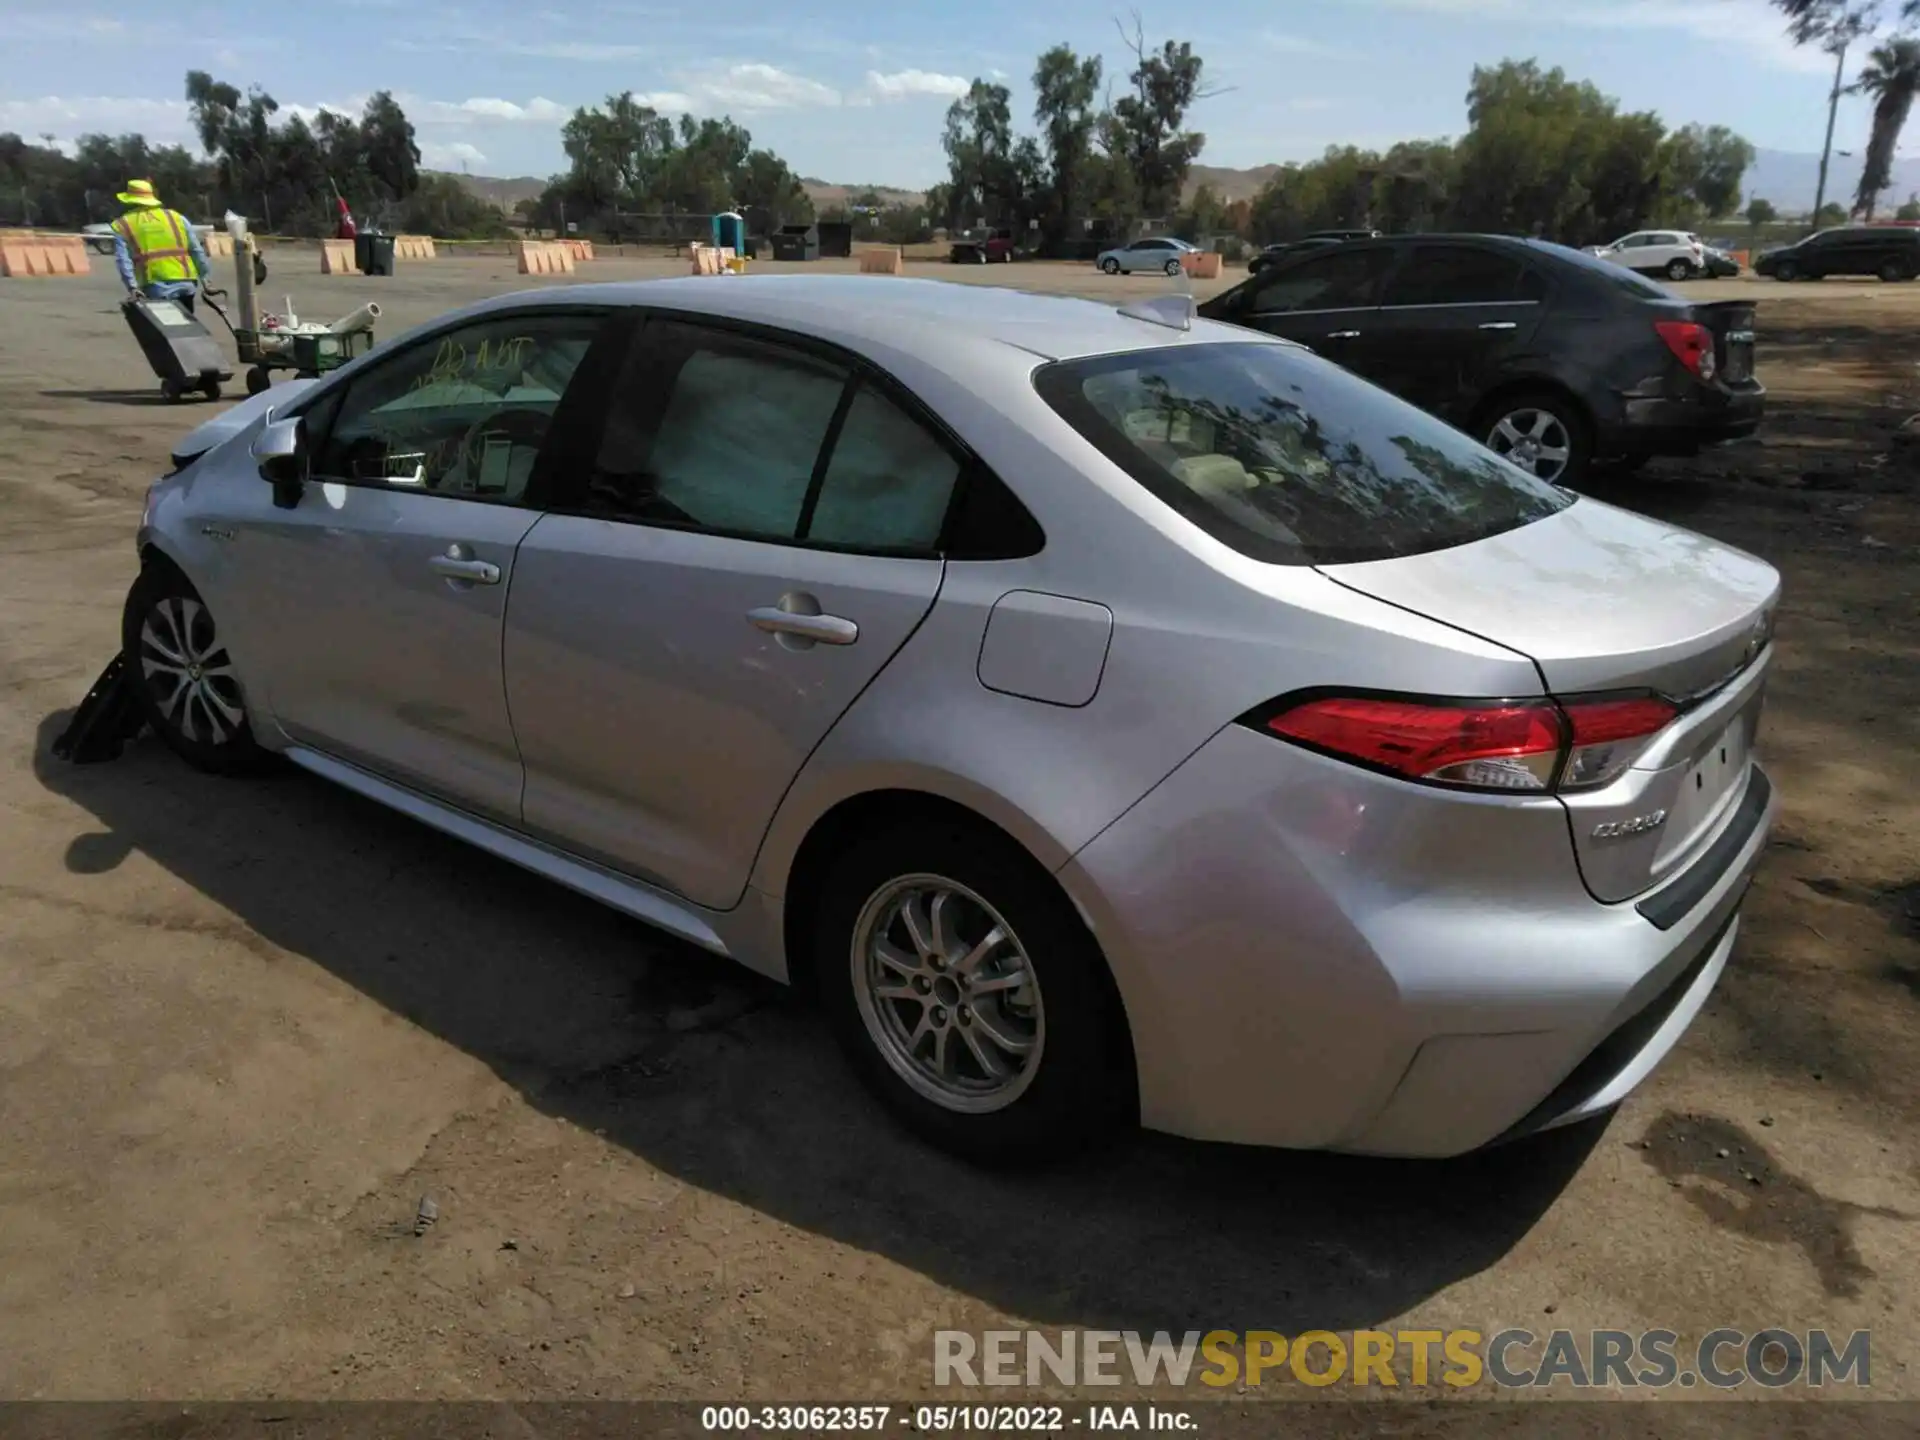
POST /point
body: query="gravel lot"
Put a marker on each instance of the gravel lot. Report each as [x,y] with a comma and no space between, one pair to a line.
[246,1026]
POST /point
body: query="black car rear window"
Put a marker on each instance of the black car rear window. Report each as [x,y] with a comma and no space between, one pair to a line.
[1288,458]
[1606,271]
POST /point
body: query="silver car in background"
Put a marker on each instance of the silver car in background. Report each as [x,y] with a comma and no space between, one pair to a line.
[1156,254]
[1112,716]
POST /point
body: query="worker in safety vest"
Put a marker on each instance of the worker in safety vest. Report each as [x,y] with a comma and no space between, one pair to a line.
[156,249]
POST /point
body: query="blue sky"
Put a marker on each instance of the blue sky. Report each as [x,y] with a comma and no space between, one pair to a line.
[853,91]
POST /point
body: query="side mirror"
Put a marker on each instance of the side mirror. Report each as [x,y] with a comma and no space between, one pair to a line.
[281,454]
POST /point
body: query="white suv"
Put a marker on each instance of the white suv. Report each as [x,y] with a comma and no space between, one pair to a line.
[1672,253]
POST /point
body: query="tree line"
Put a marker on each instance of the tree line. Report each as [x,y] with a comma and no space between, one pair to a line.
[279,169]
[629,167]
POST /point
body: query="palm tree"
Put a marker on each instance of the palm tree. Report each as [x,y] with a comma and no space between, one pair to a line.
[1892,76]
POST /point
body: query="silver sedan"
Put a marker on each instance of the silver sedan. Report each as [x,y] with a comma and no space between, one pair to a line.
[1114,717]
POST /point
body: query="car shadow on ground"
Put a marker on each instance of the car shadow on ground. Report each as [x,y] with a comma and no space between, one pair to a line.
[722,1081]
[114,397]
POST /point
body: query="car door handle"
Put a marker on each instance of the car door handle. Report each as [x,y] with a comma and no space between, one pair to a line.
[1498,325]
[457,564]
[1343,334]
[827,629]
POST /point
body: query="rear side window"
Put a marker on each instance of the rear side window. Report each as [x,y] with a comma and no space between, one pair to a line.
[1288,458]
[1455,275]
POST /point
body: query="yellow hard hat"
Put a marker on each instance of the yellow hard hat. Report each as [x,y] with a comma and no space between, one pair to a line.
[139,192]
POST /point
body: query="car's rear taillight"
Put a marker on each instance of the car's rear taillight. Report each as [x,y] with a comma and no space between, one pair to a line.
[1514,745]
[1608,736]
[1691,342]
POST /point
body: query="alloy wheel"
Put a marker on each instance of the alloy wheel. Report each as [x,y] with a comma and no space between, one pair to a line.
[188,672]
[948,994]
[1534,439]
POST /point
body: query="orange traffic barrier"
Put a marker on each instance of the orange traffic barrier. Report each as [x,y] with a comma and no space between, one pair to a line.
[712,259]
[414,247]
[882,261]
[1202,264]
[219,245]
[582,249]
[336,258]
[545,257]
[24,253]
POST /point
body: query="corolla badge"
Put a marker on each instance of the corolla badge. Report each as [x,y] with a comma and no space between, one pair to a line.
[1638,825]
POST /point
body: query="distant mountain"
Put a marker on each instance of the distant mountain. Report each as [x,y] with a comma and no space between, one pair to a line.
[503,193]
[1790,179]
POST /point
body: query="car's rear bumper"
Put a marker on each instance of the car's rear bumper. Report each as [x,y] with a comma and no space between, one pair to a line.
[1314,956]
[1684,424]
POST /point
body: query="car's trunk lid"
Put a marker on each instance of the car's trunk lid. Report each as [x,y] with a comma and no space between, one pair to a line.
[1603,600]
[1731,322]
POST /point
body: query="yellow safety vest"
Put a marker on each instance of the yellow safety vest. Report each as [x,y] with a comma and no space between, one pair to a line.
[158,242]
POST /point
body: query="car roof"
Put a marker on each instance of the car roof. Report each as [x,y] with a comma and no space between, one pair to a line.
[862,312]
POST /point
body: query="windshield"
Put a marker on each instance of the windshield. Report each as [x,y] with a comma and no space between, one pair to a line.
[1288,458]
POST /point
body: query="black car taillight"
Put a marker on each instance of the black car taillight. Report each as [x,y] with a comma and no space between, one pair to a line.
[1691,342]
[1539,746]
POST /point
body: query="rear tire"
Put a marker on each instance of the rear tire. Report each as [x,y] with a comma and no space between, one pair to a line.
[183,678]
[1893,271]
[1542,432]
[1786,272]
[1679,270]
[1005,1052]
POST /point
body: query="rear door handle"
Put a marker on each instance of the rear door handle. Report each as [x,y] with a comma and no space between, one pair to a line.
[1498,325]
[1343,335]
[459,564]
[826,629]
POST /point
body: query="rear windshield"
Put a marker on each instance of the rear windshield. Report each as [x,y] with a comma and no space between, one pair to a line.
[1288,458]
[1606,271]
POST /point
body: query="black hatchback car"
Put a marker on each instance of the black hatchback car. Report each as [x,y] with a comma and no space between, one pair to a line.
[1551,358]
[1890,251]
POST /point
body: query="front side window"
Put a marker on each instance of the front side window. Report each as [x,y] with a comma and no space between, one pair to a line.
[464,413]
[1289,458]
[1342,279]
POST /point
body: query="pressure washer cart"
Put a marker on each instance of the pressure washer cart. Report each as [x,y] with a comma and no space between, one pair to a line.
[185,357]
[283,342]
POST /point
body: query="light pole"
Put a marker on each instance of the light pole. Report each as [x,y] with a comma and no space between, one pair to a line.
[1833,111]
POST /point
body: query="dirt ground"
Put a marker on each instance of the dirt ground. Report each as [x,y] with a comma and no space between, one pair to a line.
[246,1026]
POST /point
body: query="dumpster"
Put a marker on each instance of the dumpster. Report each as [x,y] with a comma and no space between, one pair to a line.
[836,239]
[797,242]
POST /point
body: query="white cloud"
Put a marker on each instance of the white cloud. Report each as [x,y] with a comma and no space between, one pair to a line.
[446,157]
[904,83]
[757,87]
[164,122]
[538,110]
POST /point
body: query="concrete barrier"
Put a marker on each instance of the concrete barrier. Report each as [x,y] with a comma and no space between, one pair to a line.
[1202,264]
[24,253]
[882,260]
[219,245]
[712,259]
[545,257]
[582,249]
[336,258]
[414,247]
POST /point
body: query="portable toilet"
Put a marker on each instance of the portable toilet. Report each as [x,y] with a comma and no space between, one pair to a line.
[730,232]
